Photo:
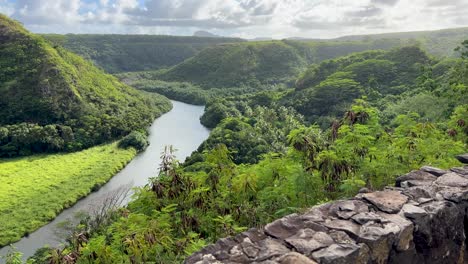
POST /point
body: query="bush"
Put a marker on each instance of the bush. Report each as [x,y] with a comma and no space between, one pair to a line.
[135,139]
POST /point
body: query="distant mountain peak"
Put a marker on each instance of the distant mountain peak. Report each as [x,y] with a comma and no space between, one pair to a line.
[202,33]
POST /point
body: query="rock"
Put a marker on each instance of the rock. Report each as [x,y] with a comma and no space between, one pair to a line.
[284,227]
[413,212]
[452,180]
[270,248]
[364,190]
[418,175]
[249,249]
[454,194]
[422,221]
[346,209]
[338,254]
[412,183]
[463,171]
[463,158]
[405,235]
[340,237]
[418,192]
[348,226]
[307,240]
[379,238]
[387,201]
[434,171]
[294,258]
[208,259]
[363,218]
[440,236]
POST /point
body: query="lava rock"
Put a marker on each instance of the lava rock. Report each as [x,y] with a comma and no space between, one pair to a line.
[463,158]
[387,201]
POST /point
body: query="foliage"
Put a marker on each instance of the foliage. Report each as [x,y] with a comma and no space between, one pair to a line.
[44,185]
[262,161]
[127,53]
[324,91]
[189,206]
[53,100]
[136,140]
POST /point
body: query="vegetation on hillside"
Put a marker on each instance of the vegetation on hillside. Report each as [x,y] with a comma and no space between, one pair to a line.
[240,68]
[262,161]
[128,53]
[295,123]
[35,189]
[440,43]
[53,100]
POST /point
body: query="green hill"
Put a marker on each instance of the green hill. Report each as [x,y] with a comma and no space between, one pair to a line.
[325,90]
[230,65]
[54,100]
[259,63]
[125,53]
[438,42]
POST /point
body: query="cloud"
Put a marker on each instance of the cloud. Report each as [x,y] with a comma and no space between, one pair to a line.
[267,18]
[384,2]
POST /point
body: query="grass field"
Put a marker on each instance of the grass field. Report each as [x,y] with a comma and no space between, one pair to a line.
[34,189]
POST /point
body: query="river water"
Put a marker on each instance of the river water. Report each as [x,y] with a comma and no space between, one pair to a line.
[179,127]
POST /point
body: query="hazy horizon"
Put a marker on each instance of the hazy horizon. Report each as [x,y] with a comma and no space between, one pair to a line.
[275,19]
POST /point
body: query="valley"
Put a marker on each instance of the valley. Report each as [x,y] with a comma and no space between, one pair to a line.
[144,148]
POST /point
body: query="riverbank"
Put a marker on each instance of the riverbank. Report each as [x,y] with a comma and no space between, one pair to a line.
[36,188]
[179,127]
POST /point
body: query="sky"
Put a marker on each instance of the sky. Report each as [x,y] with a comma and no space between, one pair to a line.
[237,18]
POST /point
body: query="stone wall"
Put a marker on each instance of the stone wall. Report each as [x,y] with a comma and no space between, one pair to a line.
[423,219]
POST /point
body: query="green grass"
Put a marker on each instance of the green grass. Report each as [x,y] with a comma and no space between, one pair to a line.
[35,189]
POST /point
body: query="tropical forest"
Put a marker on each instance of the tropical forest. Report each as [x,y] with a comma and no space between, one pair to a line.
[133,146]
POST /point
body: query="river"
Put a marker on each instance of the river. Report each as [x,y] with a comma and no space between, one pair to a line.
[179,127]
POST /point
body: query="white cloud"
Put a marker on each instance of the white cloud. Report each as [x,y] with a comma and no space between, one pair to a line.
[263,18]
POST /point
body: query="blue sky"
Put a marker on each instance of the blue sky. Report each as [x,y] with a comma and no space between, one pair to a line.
[241,18]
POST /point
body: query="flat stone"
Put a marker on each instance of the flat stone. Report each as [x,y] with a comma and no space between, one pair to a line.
[348,226]
[341,237]
[387,201]
[284,227]
[417,175]
[413,183]
[463,158]
[434,171]
[413,212]
[337,253]
[295,258]
[418,192]
[270,248]
[366,217]
[454,194]
[307,240]
[452,179]
[463,171]
[346,209]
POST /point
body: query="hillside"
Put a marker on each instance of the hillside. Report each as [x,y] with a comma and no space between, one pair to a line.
[325,90]
[436,42]
[54,100]
[125,53]
[260,63]
[262,162]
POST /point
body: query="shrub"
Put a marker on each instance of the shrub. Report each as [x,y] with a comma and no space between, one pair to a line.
[135,139]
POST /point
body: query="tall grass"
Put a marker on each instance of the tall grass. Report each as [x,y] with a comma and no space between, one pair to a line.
[34,189]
